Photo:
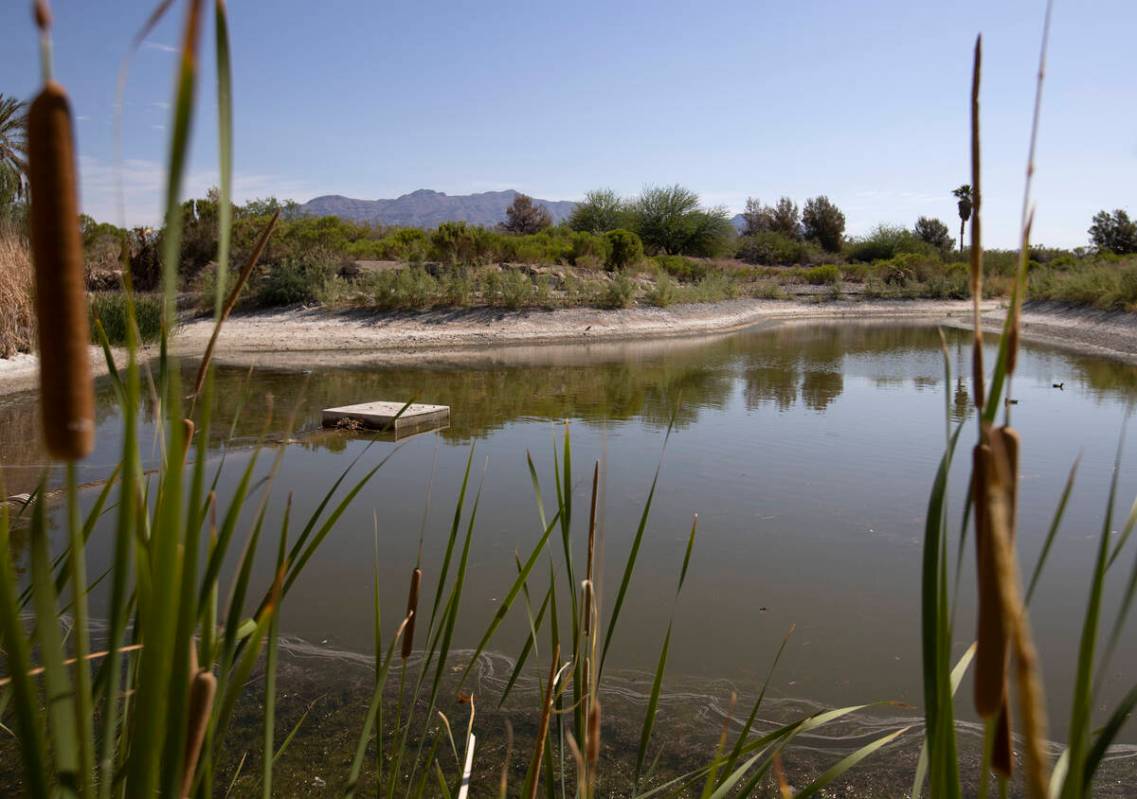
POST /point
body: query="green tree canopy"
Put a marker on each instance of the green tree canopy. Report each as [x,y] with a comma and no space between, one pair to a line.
[669,220]
[1115,232]
[601,210]
[824,223]
[934,232]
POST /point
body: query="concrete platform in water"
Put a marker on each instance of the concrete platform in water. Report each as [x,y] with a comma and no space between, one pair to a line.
[382,416]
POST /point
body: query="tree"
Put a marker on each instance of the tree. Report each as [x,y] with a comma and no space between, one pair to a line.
[934,232]
[600,211]
[12,152]
[669,221]
[786,219]
[1115,232]
[756,218]
[963,194]
[823,222]
[522,216]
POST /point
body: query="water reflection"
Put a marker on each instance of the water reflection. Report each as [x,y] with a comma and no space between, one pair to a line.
[806,449]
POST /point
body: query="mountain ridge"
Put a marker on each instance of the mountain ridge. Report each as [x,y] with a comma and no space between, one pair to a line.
[427,208]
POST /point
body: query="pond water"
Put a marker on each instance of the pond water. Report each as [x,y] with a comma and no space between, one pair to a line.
[807,452]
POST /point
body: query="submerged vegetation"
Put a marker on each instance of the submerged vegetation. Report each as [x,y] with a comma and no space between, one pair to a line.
[144,705]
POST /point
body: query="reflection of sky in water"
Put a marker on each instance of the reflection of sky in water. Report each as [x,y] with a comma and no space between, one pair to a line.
[807,452]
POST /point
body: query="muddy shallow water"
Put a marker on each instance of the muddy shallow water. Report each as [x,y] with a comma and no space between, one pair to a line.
[806,450]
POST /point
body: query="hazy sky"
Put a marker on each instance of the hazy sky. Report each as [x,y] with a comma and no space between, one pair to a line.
[864,101]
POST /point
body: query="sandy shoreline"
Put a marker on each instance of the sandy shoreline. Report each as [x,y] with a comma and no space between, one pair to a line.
[308,337]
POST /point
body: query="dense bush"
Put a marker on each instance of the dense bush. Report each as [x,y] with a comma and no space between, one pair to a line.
[590,249]
[409,288]
[662,294]
[625,249]
[884,242]
[294,281]
[823,275]
[621,292]
[111,310]
[668,220]
[682,268]
[776,249]
[456,243]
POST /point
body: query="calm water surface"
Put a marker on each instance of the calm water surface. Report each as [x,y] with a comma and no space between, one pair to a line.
[807,452]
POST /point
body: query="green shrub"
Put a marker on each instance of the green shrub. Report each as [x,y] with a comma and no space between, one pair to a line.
[409,288]
[456,243]
[621,291]
[776,249]
[1127,291]
[589,249]
[516,289]
[625,249]
[456,286]
[886,242]
[682,268]
[855,273]
[662,294]
[294,281]
[823,275]
[110,308]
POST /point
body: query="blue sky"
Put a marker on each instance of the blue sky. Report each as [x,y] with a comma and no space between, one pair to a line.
[863,101]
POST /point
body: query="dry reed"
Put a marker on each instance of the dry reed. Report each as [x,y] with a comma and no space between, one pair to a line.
[17,321]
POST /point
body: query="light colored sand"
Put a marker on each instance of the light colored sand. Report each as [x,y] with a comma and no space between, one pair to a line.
[304,338]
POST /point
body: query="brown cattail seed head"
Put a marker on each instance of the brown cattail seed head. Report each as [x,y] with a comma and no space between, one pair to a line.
[43,15]
[188,428]
[203,687]
[1002,759]
[593,745]
[67,393]
[991,648]
[412,608]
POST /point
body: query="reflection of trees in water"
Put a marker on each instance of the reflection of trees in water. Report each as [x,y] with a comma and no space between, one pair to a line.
[771,384]
[819,389]
[483,400]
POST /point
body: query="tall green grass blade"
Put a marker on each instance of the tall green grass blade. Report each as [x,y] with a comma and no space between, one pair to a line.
[630,565]
[372,711]
[84,707]
[57,686]
[736,751]
[1079,732]
[1052,533]
[957,673]
[652,708]
[224,150]
[528,648]
[847,762]
[1107,736]
[511,595]
[661,665]
[270,664]
[33,747]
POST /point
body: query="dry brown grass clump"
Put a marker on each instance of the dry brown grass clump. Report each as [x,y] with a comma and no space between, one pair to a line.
[17,322]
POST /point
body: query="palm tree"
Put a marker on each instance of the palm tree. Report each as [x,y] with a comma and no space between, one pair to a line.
[964,195]
[12,150]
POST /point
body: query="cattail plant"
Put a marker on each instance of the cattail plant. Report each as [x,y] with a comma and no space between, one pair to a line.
[67,398]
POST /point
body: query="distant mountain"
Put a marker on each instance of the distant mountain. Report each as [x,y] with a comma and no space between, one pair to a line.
[426,209]
[739,222]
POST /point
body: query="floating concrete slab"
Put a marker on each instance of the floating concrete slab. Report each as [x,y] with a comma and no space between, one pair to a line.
[382,416]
